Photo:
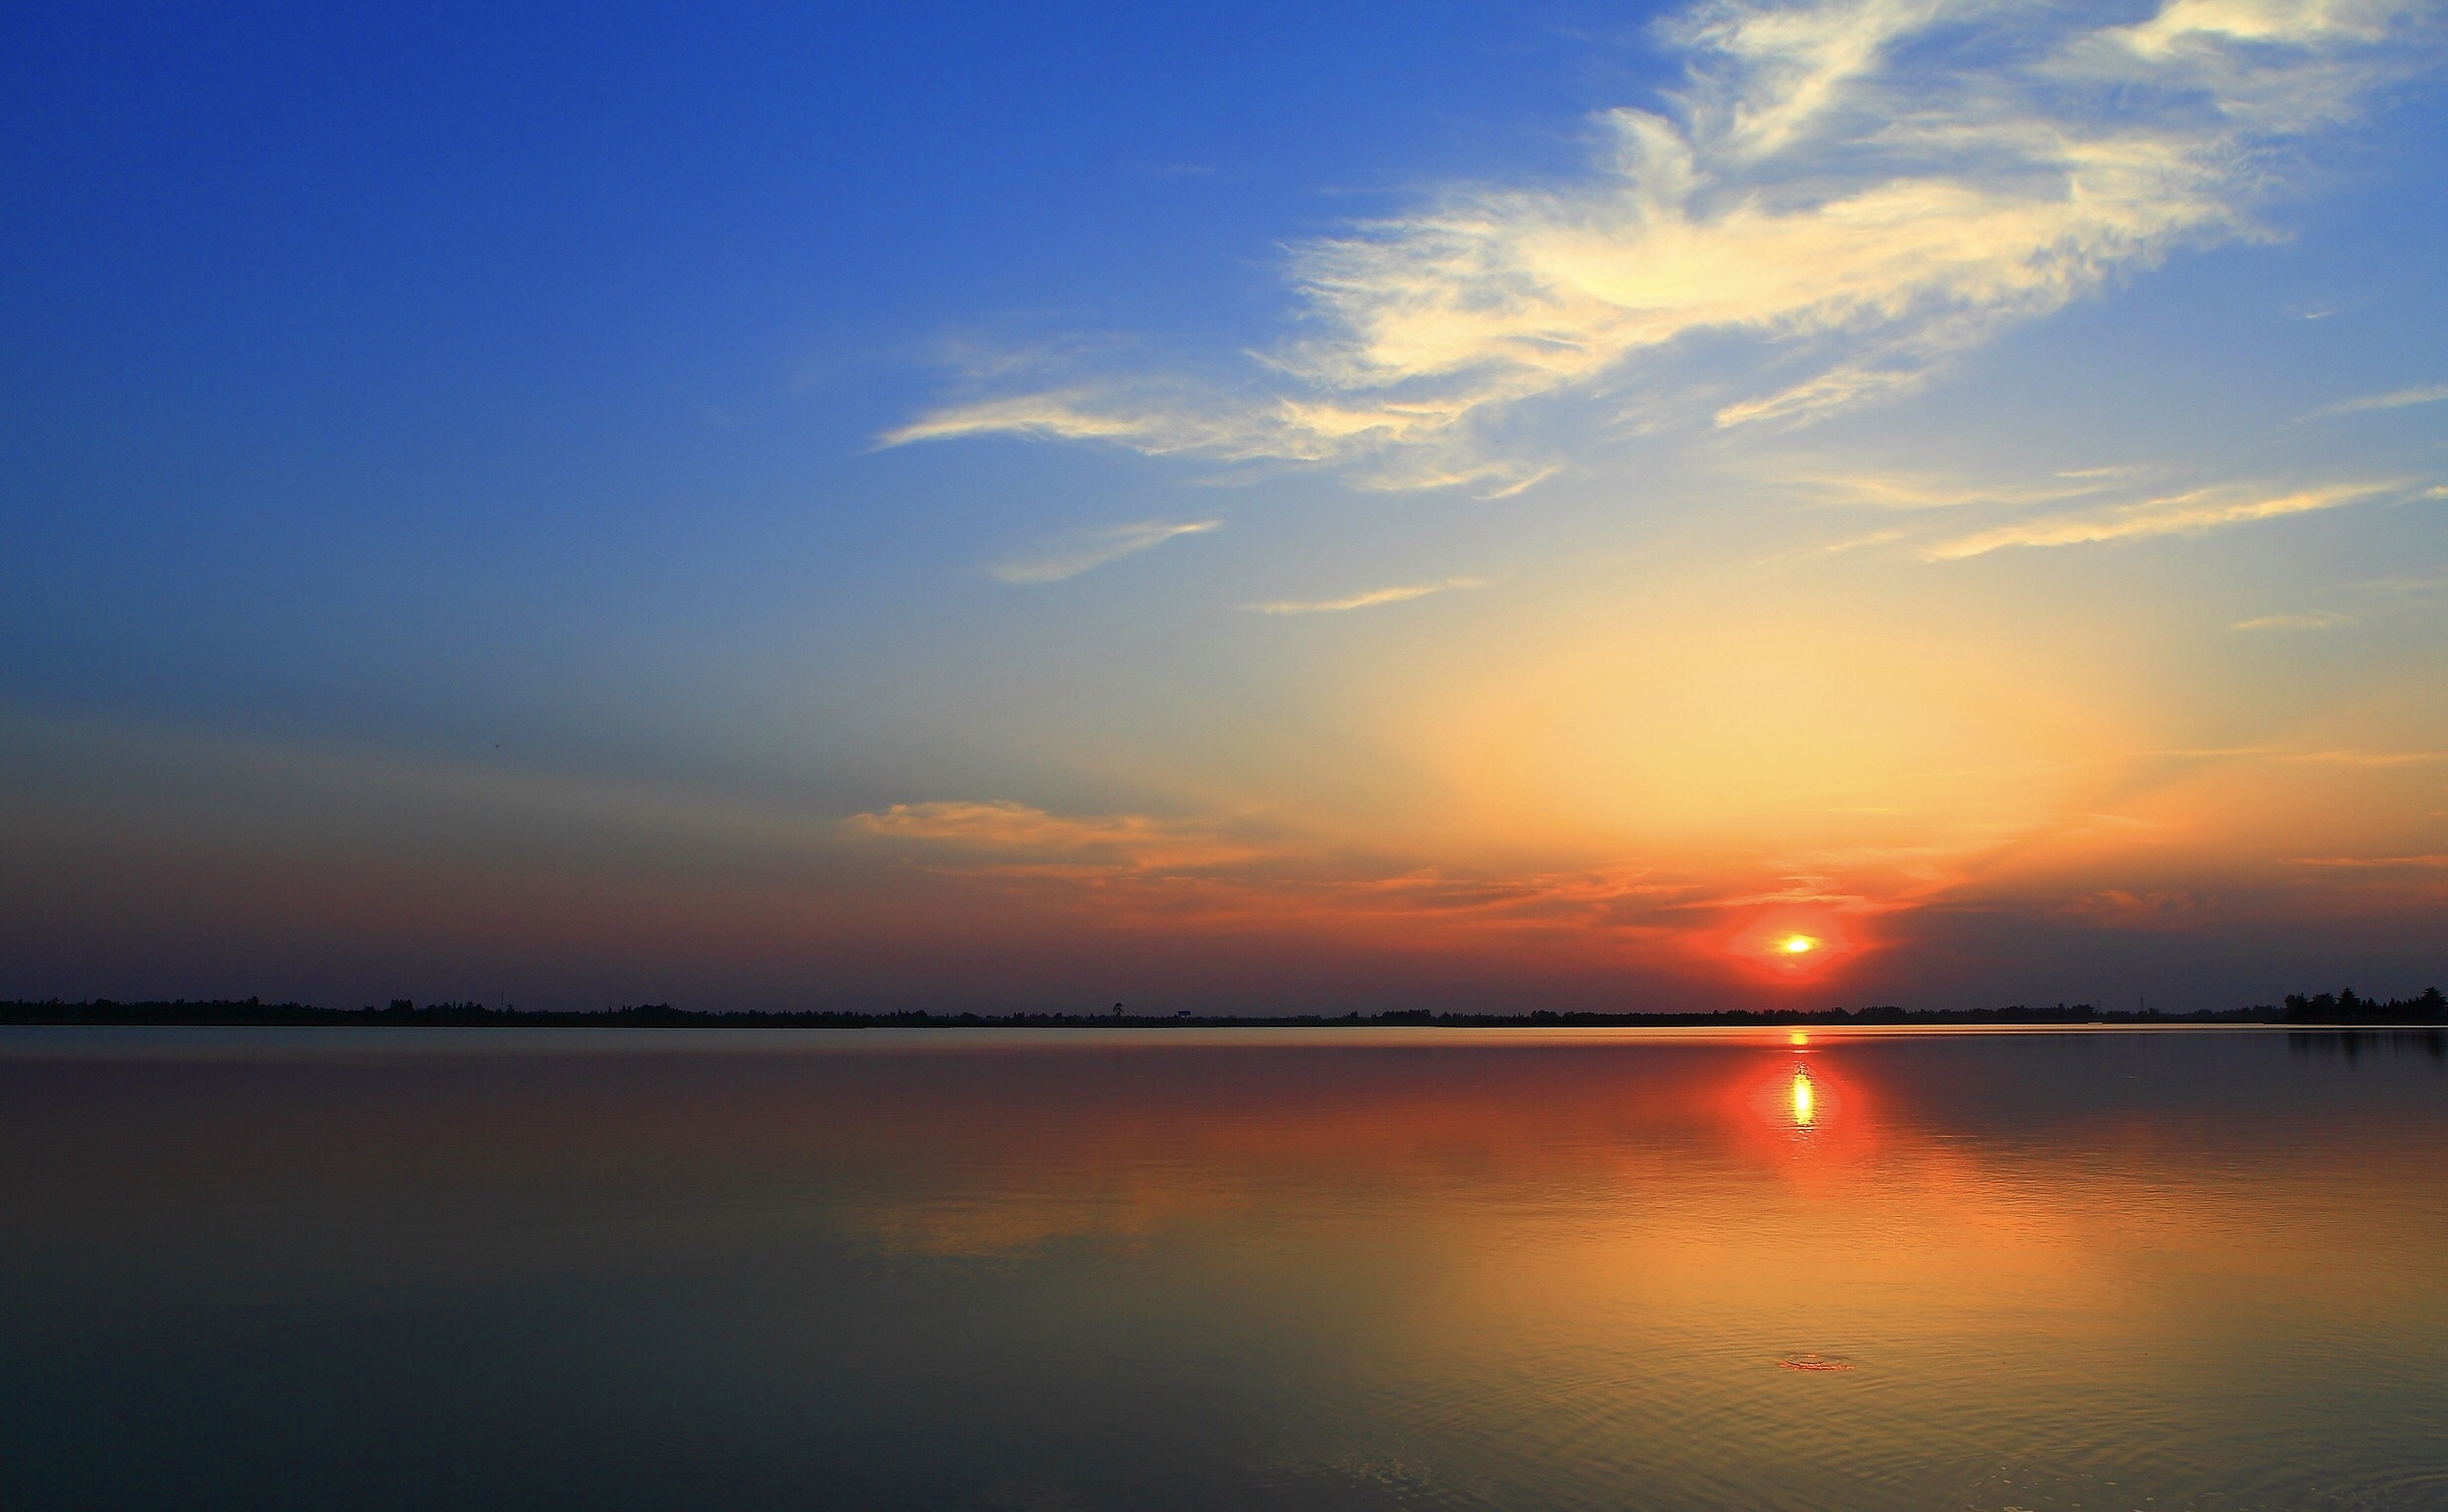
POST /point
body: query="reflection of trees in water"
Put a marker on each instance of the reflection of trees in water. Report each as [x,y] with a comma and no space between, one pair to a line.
[2353,1042]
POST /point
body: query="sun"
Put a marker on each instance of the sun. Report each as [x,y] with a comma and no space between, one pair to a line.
[1795,949]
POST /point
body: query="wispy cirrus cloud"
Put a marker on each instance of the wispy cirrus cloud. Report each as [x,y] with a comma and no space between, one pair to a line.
[2188,513]
[2374,863]
[2315,619]
[2354,757]
[1914,492]
[1099,547]
[1840,196]
[1006,831]
[2117,908]
[2347,756]
[1367,600]
[2400,399]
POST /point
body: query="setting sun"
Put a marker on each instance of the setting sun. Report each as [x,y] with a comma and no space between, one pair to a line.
[1798,945]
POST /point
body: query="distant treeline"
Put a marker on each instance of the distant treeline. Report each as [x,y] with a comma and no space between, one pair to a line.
[2325,1008]
[2345,1007]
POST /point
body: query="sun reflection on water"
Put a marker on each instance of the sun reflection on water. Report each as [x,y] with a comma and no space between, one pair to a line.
[1805,1098]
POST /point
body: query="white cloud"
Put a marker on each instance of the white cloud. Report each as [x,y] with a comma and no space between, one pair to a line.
[1368,600]
[2318,619]
[1841,195]
[1914,492]
[1102,547]
[2400,400]
[2188,513]
[2207,22]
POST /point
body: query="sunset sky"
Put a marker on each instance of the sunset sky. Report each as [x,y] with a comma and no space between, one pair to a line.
[1246,507]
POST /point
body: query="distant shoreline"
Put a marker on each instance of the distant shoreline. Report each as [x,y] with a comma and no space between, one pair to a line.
[2325,1010]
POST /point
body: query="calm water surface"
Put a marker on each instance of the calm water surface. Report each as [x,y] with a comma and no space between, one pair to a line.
[2103,1269]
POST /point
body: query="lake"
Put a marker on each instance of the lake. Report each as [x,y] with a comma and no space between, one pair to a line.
[2120,1268]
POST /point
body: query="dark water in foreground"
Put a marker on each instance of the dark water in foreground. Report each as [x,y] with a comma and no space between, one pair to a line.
[372,1269]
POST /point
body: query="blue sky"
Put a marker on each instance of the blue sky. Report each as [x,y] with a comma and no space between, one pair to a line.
[962,505]
[442,330]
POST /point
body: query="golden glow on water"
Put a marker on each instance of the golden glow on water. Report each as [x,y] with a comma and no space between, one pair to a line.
[1800,1038]
[1699,1262]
